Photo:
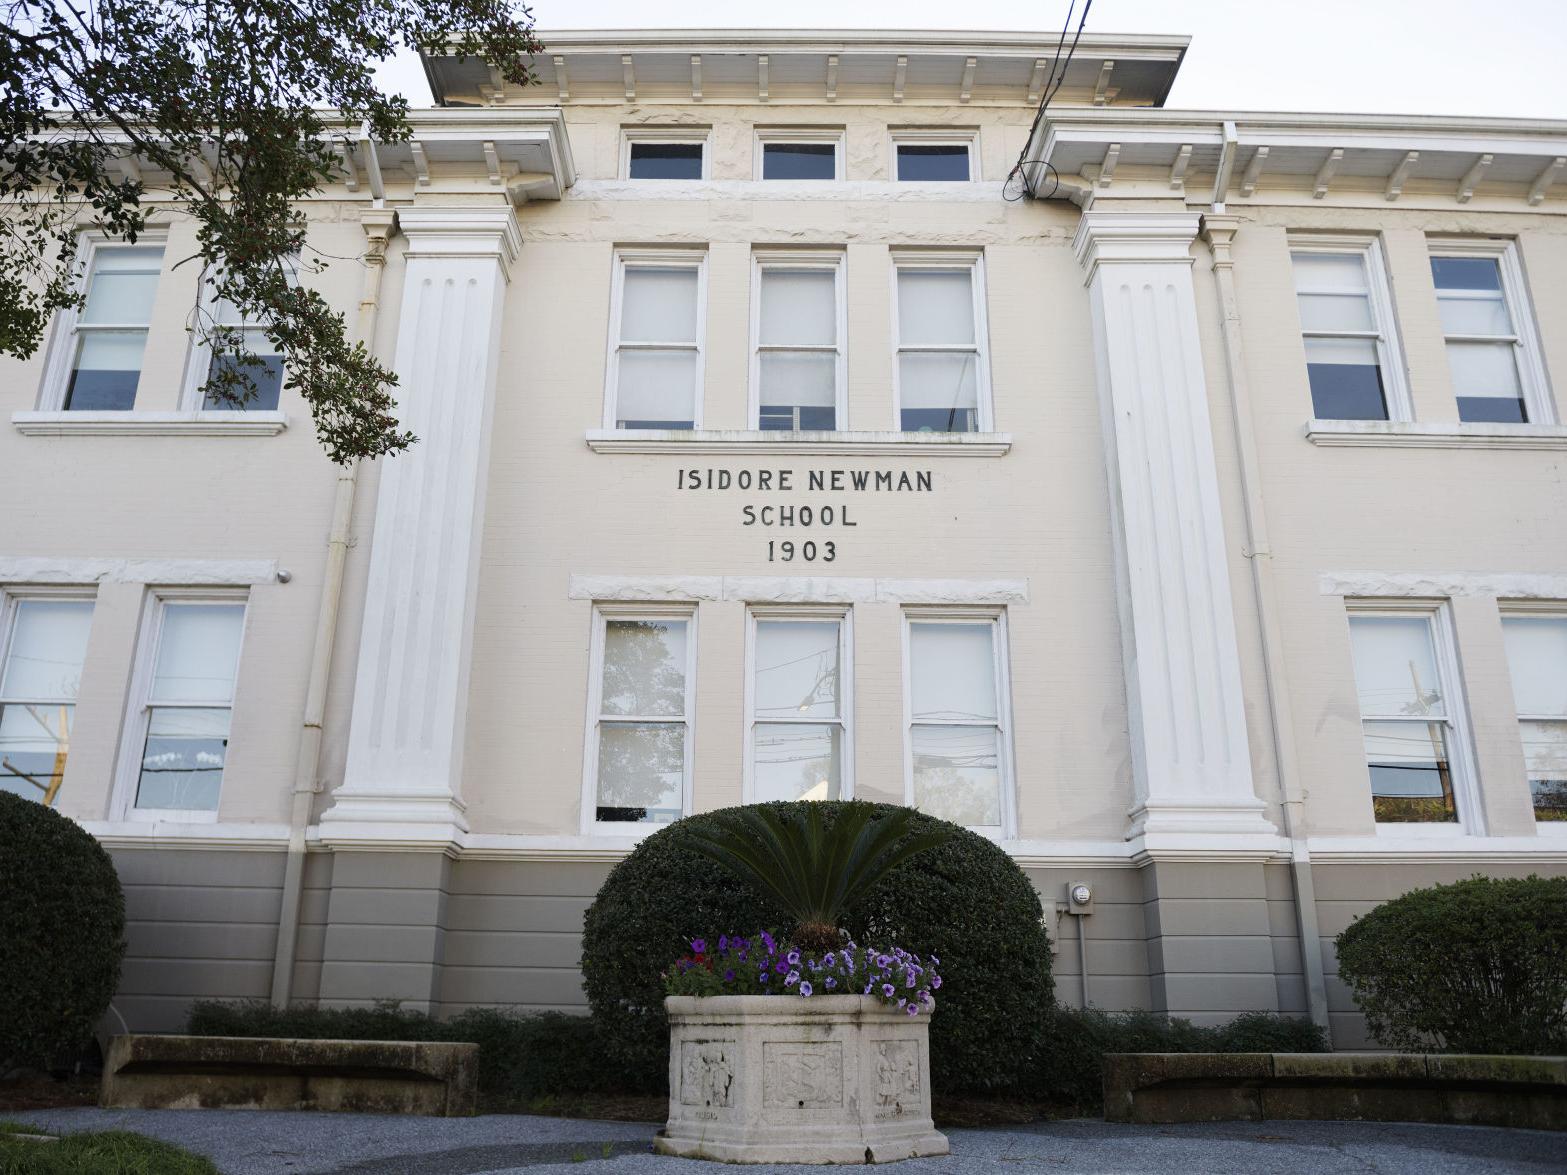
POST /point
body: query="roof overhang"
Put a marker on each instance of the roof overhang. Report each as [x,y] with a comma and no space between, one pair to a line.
[1212,156]
[813,66]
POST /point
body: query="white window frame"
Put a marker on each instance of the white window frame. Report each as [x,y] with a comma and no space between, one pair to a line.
[1534,610]
[138,706]
[61,351]
[10,598]
[933,137]
[1461,759]
[844,617]
[602,614]
[805,260]
[1532,379]
[819,135]
[198,359]
[671,135]
[655,258]
[1390,348]
[974,261]
[1002,656]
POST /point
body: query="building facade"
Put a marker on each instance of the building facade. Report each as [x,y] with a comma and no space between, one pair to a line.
[1191,523]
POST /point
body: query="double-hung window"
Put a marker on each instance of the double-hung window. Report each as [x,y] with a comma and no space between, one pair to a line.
[942,377]
[798,359]
[655,368]
[1491,348]
[43,641]
[214,381]
[186,698]
[638,769]
[797,736]
[1346,319]
[1537,658]
[1415,747]
[99,354]
[956,702]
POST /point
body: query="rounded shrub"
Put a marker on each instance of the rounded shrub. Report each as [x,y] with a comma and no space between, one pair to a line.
[964,901]
[1479,966]
[62,934]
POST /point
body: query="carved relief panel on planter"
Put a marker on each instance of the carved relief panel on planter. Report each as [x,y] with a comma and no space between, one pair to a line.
[706,1072]
[802,1075]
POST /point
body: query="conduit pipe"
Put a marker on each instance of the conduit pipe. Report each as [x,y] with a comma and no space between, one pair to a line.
[379,225]
[1219,231]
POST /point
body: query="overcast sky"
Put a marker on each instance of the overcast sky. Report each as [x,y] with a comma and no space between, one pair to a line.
[1497,57]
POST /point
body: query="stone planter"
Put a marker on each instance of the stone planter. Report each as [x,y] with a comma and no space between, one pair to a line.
[782,1079]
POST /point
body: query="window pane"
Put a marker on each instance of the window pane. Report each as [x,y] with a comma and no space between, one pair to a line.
[798,377]
[658,306]
[641,771]
[1335,312]
[939,391]
[957,774]
[1395,666]
[799,306]
[796,761]
[935,306]
[656,389]
[1485,378]
[265,375]
[182,765]
[1346,379]
[1466,273]
[107,370]
[796,418]
[799,161]
[666,161]
[1545,756]
[1330,271]
[121,286]
[198,650]
[1537,659]
[644,667]
[1475,316]
[953,672]
[34,738]
[43,660]
[933,161]
[1411,781]
[796,669]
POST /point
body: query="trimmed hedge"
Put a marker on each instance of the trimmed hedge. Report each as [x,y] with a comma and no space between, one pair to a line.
[521,1057]
[1075,1042]
[1479,966]
[62,934]
[965,901]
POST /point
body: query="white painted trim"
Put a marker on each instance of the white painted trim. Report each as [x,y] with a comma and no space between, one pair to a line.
[151,834]
[1442,584]
[201,422]
[1384,311]
[45,569]
[799,134]
[1534,383]
[934,137]
[1391,849]
[755,442]
[958,259]
[604,611]
[795,191]
[675,257]
[807,261]
[1414,434]
[844,618]
[664,134]
[758,589]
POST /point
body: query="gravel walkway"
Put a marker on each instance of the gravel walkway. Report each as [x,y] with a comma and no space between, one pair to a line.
[255,1143]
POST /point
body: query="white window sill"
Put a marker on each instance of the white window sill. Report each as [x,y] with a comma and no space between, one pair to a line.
[755,441]
[200,423]
[1419,434]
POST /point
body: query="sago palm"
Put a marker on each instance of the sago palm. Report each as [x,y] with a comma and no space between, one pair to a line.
[814,865]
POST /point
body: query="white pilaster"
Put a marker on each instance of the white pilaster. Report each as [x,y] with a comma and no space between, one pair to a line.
[1188,724]
[404,773]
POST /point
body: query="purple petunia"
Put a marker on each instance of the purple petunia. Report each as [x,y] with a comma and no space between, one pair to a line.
[830,982]
[888,990]
[780,966]
[791,979]
[794,958]
[723,943]
[805,988]
[698,946]
[729,976]
[767,939]
[913,1010]
[935,982]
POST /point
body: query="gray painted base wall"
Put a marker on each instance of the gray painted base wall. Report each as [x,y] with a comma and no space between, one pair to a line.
[1203,940]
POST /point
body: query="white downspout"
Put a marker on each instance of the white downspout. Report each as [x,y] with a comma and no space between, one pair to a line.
[1219,231]
[379,225]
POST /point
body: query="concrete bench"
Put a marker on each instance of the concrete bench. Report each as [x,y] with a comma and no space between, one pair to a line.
[374,1076]
[1399,1087]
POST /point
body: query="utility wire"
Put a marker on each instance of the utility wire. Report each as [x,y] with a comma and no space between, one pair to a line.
[1053,84]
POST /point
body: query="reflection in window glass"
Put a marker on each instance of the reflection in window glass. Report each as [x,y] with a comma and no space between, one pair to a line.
[1537,658]
[39,680]
[797,720]
[665,161]
[1405,719]
[933,161]
[111,330]
[189,702]
[1481,340]
[642,721]
[955,732]
[799,161]
[1343,341]
[229,392]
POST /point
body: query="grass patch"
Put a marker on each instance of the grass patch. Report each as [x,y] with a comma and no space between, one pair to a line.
[108,1152]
